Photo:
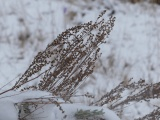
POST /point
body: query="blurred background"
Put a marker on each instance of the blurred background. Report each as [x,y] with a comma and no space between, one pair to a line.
[132,50]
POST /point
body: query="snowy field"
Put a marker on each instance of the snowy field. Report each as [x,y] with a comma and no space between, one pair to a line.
[132,50]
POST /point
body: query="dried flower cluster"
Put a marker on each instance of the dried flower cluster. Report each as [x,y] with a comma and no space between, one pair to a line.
[154,115]
[138,92]
[68,60]
[63,66]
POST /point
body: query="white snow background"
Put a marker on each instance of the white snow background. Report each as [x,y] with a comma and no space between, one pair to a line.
[133,47]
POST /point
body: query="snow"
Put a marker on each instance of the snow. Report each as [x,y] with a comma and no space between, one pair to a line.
[15,96]
[70,110]
[133,45]
[9,111]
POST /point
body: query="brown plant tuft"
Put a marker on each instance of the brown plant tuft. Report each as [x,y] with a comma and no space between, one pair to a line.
[63,66]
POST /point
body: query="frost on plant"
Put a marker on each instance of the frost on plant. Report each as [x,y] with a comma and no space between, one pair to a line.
[89,114]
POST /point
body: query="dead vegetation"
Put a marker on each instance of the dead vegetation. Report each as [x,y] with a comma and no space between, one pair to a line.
[137,1]
[66,62]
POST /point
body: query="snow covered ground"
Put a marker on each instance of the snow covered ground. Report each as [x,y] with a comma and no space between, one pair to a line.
[9,111]
[132,51]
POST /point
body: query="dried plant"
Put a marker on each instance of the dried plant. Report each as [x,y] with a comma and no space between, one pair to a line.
[154,115]
[138,92]
[137,1]
[63,66]
[68,60]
